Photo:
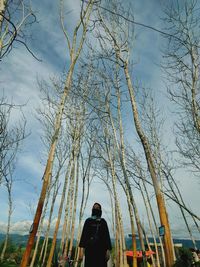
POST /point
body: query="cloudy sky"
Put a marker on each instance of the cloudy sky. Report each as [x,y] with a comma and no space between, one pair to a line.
[19,72]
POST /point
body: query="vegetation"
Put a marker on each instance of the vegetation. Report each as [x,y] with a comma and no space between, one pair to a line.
[184,258]
[13,254]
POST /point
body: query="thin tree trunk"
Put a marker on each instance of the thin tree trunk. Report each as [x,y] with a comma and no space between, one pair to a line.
[126,187]
[46,240]
[59,214]
[74,53]
[168,245]
[40,228]
[123,260]
[66,217]
[117,246]
[154,220]
[8,225]
[86,175]
[133,234]
[74,209]
[121,151]
[184,217]
[69,219]
[181,207]
[3,4]
[151,230]
[149,248]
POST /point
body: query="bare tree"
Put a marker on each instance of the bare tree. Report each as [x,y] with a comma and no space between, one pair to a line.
[154,125]
[140,176]
[86,177]
[118,38]
[11,137]
[16,17]
[46,115]
[43,251]
[181,64]
[9,185]
[106,152]
[176,193]
[74,50]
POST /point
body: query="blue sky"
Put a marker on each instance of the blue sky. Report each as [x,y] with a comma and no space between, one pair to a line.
[18,76]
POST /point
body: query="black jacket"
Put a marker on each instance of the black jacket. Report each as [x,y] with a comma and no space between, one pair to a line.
[95,239]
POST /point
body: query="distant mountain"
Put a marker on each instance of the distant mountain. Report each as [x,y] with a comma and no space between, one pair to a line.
[22,240]
[186,242]
[16,239]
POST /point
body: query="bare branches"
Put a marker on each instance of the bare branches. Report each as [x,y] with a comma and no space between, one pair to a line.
[15,18]
[79,31]
[10,139]
[181,64]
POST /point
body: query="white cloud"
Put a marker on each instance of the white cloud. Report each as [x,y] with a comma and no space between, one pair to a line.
[20,227]
[32,164]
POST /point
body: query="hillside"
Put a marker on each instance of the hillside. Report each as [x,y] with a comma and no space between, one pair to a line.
[22,239]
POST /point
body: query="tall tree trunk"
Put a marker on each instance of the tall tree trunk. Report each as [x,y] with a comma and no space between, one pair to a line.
[121,151]
[123,260]
[168,245]
[126,187]
[117,249]
[46,240]
[133,234]
[59,213]
[72,220]
[74,208]
[69,219]
[40,229]
[66,217]
[84,199]
[155,224]
[48,171]
[74,54]
[151,229]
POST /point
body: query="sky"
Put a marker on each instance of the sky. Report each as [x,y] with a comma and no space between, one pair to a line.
[19,73]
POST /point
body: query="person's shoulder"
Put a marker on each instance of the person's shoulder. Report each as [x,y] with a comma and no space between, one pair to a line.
[88,219]
[103,221]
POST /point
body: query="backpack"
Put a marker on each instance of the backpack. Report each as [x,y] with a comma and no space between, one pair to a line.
[94,239]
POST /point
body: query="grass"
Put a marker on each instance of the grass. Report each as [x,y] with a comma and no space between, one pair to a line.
[8,264]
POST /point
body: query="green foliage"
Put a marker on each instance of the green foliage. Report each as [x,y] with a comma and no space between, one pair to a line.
[13,254]
[7,264]
[10,247]
[184,258]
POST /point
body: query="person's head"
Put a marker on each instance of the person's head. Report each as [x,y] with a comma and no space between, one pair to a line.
[96,210]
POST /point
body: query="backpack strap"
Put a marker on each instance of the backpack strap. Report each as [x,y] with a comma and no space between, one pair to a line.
[98,220]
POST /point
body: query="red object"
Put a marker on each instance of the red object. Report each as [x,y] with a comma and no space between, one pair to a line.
[129,253]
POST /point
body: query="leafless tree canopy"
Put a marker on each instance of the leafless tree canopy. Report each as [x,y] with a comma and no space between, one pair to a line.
[16,17]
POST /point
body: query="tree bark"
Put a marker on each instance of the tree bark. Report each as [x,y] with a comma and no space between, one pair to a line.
[168,245]
[2,11]
[46,240]
[48,171]
[59,213]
